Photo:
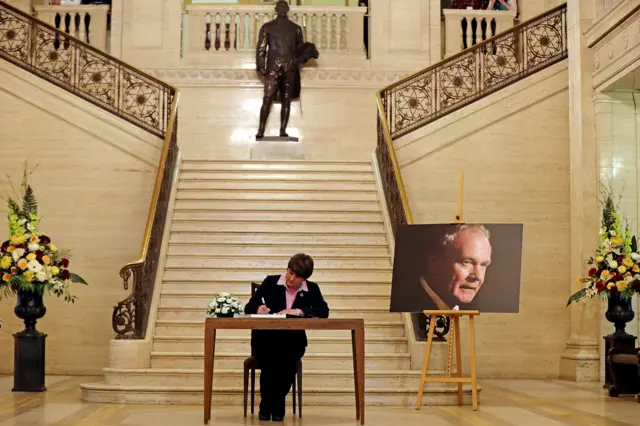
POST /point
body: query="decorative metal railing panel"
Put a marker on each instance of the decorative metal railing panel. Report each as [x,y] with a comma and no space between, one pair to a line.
[131,316]
[85,71]
[475,73]
[420,99]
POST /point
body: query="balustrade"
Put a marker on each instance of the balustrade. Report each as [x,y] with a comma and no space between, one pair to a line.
[465,28]
[84,22]
[225,29]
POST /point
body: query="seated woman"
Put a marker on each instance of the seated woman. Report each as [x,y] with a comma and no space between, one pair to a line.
[278,351]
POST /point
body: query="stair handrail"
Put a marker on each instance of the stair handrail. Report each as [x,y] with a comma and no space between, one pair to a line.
[128,93]
[417,100]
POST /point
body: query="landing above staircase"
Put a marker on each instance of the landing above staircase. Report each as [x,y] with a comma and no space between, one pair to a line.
[235,222]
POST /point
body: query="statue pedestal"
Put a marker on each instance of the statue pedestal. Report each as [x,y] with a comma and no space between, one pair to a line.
[277,139]
[277,148]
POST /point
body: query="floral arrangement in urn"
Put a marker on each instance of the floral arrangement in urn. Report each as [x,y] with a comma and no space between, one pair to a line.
[223,305]
[615,269]
[29,261]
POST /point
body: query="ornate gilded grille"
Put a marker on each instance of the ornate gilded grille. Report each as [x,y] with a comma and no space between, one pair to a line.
[85,71]
[417,100]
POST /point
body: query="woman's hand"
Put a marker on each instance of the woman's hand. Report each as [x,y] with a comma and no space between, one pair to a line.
[262,309]
[289,312]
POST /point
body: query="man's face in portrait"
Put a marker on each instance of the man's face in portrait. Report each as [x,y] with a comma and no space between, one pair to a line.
[467,259]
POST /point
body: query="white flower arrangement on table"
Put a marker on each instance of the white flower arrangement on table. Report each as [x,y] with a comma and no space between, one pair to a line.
[224,305]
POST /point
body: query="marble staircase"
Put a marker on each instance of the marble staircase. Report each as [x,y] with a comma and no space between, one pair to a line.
[235,222]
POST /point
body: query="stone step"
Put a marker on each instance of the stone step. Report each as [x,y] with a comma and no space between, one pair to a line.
[198,313]
[318,379]
[281,238]
[281,216]
[258,274]
[242,344]
[239,185]
[275,196]
[220,262]
[277,166]
[334,300]
[280,206]
[280,175]
[271,227]
[312,361]
[243,286]
[434,395]
[281,252]
[196,328]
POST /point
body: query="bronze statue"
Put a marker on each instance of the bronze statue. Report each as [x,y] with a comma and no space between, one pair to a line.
[280,52]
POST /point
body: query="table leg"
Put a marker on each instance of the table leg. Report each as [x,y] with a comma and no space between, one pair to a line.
[209,355]
[472,344]
[356,380]
[360,358]
[425,362]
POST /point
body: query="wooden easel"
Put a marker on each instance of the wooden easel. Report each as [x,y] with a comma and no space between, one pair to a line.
[454,339]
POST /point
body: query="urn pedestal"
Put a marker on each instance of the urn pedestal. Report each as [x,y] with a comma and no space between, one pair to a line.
[29,345]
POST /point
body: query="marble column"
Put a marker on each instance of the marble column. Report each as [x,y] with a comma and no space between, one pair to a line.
[580,359]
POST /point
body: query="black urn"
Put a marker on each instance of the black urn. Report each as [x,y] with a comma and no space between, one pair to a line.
[619,312]
[30,308]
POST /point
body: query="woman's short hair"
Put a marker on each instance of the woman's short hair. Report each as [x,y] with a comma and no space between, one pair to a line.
[301,264]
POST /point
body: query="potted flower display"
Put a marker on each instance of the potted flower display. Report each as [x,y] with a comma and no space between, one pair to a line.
[223,305]
[31,266]
[614,272]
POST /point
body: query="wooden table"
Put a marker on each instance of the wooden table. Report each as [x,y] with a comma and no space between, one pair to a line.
[247,323]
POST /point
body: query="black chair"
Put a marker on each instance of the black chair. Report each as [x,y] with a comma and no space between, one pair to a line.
[252,364]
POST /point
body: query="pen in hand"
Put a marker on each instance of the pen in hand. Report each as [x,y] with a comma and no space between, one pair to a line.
[262,309]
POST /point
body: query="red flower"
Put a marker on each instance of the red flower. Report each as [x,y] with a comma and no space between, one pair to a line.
[66,274]
[44,239]
[592,272]
[65,262]
[600,286]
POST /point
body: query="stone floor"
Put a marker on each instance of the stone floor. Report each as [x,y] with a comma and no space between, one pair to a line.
[503,402]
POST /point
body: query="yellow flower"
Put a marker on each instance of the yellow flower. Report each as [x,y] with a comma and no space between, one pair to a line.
[627,262]
[28,276]
[5,263]
[621,285]
[34,239]
[616,241]
[635,269]
[579,280]
[11,249]
[622,269]
[53,248]
[22,264]
[599,259]
[610,286]
[31,256]
[18,239]
[55,270]
[605,273]
[6,277]
[46,260]
[41,248]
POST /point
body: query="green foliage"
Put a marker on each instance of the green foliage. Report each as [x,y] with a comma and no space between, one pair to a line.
[29,203]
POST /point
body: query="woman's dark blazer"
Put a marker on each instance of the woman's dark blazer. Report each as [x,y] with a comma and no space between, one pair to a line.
[311,303]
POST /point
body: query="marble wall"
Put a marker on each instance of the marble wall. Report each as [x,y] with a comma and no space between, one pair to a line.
[93,185]
[516,162]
